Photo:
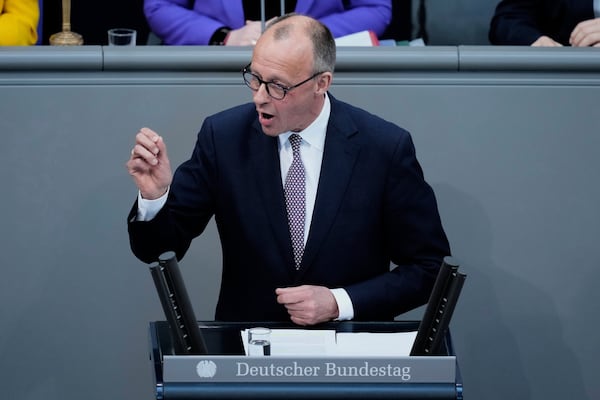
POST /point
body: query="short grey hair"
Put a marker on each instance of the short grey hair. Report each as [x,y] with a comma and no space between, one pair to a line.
[324,50]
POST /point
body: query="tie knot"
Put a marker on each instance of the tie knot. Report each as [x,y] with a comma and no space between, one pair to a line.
[295,141]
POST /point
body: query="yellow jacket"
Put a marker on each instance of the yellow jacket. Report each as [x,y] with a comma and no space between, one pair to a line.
[18,22]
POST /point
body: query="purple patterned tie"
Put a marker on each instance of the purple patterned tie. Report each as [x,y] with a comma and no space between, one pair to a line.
[295,199]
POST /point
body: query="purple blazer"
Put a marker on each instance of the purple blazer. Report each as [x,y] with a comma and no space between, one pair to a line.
[193,22]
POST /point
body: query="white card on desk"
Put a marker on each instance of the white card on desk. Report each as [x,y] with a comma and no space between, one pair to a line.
[311,343]
[395,344]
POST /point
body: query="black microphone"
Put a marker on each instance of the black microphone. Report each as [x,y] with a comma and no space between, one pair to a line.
[176,304]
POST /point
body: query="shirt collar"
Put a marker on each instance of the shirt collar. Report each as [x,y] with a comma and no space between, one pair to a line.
[314,134]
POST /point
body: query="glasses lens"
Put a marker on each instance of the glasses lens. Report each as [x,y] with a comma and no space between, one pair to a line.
[251,81]
[275,91]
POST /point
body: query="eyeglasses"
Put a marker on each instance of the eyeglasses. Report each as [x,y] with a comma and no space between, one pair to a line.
[274,89]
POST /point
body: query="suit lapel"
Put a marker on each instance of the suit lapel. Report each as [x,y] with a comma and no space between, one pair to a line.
[268,180]
[339,157]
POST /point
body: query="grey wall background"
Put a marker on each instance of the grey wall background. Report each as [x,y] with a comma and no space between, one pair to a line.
[511,151]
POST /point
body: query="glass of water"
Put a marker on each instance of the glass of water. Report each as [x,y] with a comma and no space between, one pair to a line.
[122,37]
[259,342]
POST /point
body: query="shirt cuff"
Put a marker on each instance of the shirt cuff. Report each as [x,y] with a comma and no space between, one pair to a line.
[345,307]
[147,209]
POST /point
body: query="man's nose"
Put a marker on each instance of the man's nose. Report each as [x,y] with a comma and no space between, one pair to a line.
[261,95]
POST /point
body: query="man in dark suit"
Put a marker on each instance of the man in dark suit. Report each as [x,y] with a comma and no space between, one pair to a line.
[355,182]
[547,23]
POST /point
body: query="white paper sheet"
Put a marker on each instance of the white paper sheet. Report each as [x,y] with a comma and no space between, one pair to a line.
[396,344]
[319,343]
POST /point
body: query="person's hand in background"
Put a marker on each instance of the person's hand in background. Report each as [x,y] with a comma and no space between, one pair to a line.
[545,41]
[586,33]
[246,35]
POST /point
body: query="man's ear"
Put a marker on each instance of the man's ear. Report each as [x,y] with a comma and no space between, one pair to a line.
[324,82]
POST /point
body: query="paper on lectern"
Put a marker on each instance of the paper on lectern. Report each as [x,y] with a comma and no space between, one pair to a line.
[320,343]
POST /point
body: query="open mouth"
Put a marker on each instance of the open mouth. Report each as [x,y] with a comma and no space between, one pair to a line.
[266,116]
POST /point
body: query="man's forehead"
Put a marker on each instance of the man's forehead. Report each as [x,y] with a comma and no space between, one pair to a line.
[269,50]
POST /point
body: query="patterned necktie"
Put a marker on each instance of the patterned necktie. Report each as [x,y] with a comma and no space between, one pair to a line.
[295,199]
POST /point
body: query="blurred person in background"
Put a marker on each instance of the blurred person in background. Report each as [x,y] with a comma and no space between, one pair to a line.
[546,23]
[19,22]
[238,22]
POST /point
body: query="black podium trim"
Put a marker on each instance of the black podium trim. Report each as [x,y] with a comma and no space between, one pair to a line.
[161,344]
[314,391]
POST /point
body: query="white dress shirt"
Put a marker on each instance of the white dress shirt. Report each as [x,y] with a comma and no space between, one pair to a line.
[311,152]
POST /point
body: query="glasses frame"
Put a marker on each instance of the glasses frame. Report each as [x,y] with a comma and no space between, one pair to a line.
[285,89]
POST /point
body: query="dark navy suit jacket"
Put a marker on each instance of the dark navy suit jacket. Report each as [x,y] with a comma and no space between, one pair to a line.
[372,207]
[522,22]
